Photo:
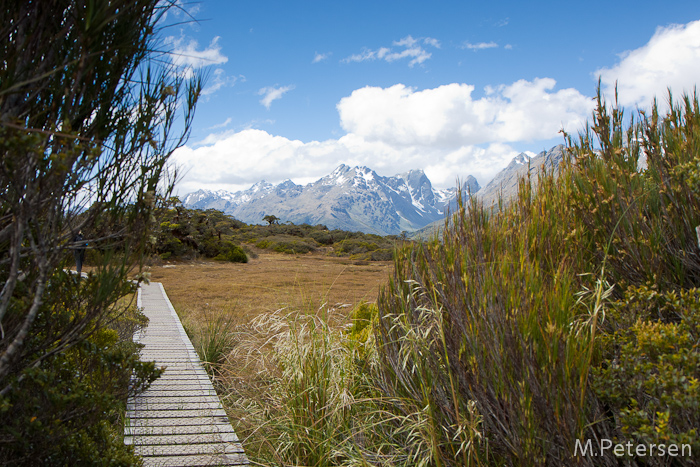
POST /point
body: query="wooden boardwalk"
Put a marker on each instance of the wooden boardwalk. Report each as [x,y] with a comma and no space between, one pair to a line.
[179,420]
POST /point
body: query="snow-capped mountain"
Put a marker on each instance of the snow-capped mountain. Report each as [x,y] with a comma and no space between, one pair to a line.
[505,183]
[349,198]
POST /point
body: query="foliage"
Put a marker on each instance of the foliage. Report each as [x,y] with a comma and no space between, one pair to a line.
[184,233]
[87,124]
[649,370]
[270,219]
[362,318]
[480,325]
[573,303]
[67,409]
[570,314]
[301,397]
[213,341]
[188,233]
[232,253]
[365,248]
[286,244]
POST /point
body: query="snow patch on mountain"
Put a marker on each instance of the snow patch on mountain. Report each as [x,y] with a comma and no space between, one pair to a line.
[349,198]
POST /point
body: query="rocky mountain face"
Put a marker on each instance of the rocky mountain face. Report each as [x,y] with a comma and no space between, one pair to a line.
[505,183]
[349,198]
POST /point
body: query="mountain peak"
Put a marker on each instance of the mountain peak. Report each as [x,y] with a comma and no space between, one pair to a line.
[521,159]
[261,185]
[349,198]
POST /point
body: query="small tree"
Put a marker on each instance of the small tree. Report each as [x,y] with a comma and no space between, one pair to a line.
[86,128]
[271,219]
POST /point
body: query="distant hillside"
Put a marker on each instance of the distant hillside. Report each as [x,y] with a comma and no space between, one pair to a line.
[183,234]
[349,198]
[505,183]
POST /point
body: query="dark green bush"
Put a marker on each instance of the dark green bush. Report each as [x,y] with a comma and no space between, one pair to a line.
[232,253]
[68,408]
[354,246]
[383,254]
[324,237]
[651,374]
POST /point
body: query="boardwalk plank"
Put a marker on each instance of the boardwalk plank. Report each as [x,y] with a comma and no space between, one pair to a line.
[188,449]
[198,461]
[179,420]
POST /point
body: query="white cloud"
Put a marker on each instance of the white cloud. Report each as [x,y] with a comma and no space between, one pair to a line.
[186,56]
[480,46]
[448,116]
[273,93]
[318,57]
[671,59]
[220,80]
[432,42]
[392,130]
[183,11]
[408,48]
[234,161]
[221,125]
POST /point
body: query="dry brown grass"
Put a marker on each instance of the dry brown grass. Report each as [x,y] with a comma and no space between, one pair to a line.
[202,290]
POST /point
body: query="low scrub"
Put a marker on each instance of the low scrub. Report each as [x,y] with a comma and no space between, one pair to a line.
[287,244]
[67,408]
[185,233]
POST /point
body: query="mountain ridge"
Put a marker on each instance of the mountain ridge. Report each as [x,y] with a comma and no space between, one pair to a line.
[504,186]
[359,199]
[349,198]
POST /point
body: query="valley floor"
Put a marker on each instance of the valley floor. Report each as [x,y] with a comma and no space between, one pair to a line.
[201,290]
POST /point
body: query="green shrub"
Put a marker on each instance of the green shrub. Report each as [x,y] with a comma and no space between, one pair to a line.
[68,409]
[567,315]
[651,374]
[232,253]
[287,244]
[354,246]
[383,254]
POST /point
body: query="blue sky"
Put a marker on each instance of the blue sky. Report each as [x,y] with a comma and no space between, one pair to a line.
[455,88]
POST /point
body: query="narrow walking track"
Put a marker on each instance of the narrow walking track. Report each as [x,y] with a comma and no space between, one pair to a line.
[179,420]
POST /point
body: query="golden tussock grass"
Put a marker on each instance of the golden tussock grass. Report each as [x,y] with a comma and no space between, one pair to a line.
[200,290]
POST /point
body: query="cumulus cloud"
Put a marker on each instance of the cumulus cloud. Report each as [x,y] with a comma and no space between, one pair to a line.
[480,46]
[671,59]
[273,93]
[234,161]
[318,57]
[408,47]
[186,55]
[449,117]
[444,131]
